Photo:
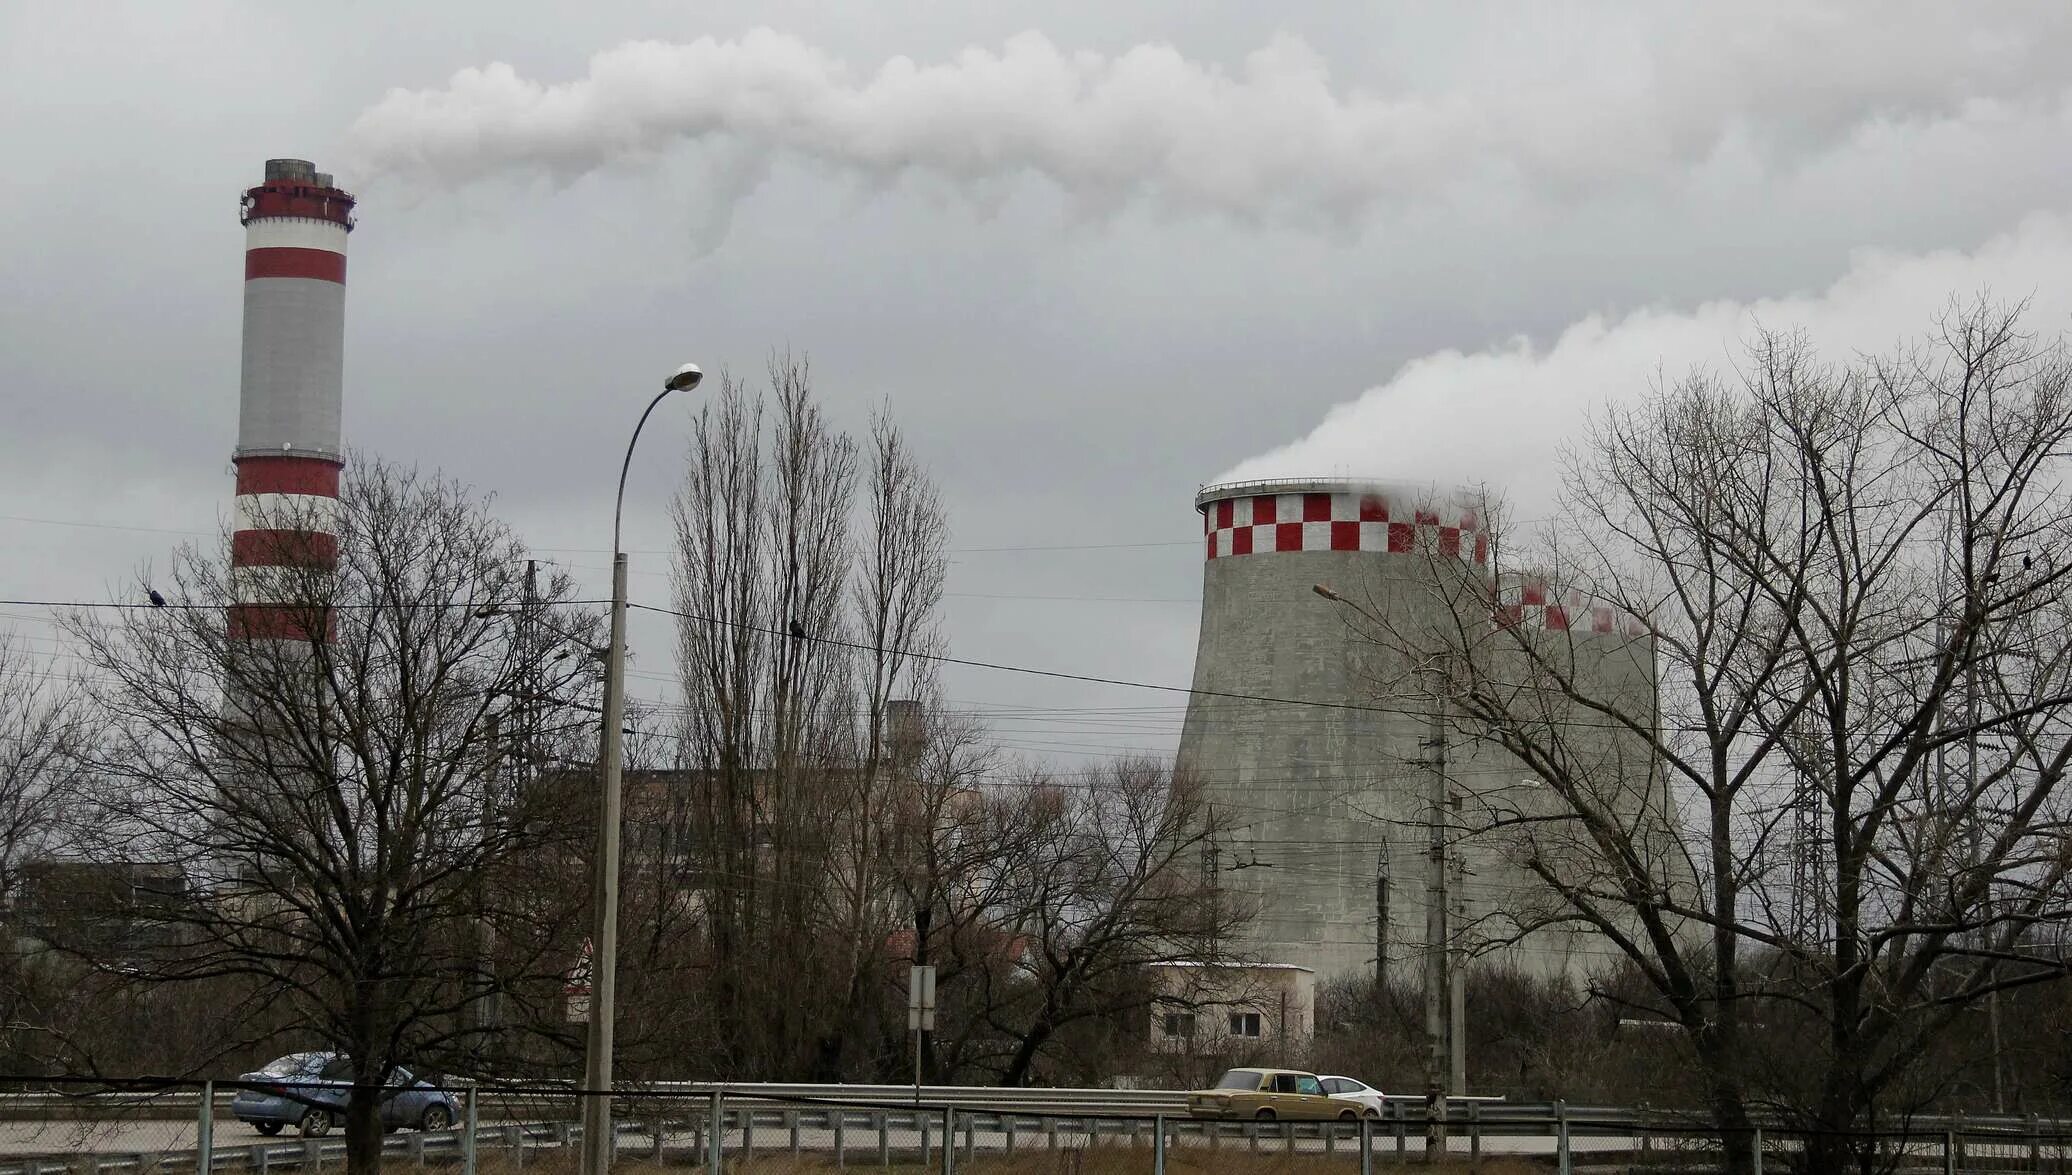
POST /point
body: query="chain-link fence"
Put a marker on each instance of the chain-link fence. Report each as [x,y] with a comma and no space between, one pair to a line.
[199,1128]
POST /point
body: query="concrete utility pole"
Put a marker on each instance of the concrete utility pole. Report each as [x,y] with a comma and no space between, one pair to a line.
[1381,918]
[1435,945]
[1456,969]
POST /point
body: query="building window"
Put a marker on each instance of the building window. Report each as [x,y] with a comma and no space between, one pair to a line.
[1244,1024]
[1179,1023]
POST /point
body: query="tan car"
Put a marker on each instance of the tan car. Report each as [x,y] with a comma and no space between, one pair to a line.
[1268,1094]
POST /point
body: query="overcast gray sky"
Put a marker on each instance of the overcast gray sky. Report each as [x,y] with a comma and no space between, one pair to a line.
[1090,258]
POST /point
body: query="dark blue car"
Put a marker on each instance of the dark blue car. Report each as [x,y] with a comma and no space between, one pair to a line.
[309,1091]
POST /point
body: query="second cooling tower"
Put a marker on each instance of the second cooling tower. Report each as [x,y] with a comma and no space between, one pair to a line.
[1316,742]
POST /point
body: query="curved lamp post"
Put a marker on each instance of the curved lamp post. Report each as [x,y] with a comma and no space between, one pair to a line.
[604,890]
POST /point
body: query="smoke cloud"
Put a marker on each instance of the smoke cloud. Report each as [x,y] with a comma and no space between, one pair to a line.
[1567,107]
[1500,417]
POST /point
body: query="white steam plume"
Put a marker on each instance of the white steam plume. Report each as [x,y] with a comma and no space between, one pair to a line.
[1499,417]
[1567,106]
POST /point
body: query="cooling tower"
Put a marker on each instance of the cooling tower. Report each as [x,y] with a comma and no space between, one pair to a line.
[1316,734]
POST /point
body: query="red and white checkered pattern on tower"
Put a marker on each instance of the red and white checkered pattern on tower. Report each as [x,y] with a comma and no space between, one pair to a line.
[1534,603]
[288,456]
[1376,520]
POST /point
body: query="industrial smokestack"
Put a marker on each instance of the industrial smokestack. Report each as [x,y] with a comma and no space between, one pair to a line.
[288,452]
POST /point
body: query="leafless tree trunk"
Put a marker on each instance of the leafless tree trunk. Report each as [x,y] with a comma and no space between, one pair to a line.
[335,791]
[1852,580]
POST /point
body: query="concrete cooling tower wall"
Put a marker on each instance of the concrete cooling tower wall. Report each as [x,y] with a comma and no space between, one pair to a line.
[1322,764]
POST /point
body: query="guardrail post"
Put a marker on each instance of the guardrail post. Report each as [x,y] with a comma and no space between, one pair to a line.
[1158,1144]
[715,1131]
[791,1120]
[1562,1158]
[2035,1146]
[841,1118]
[1008,1133]
[93,1162]
[1050,1133]
[970,1137]
[1950,1151]
[949,1140]
[921,1120]
[468,1110]
[884,1122]
[747,1115]
[416,1151]
[205,1131]
[1402,1133]
[1474,1135]
[1757,1158]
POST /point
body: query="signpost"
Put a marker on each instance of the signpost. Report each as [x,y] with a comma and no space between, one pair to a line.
[920,1014]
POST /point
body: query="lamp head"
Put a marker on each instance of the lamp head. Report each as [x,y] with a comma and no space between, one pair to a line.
[687,377]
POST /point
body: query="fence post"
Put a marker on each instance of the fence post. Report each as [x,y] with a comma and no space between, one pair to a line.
[205,1131]
[714,1132]
[468,1112]
[1561,1159]
[1758,1148]
[1949,1152]
[1366,1145]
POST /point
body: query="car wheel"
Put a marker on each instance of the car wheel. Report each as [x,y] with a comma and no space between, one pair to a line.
[1347,1116]
[1372,1114]
[436,1117]
[316,1124]
[267,1128]
[1265,1115]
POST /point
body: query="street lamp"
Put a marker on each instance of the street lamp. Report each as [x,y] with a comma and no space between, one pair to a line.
[604,891]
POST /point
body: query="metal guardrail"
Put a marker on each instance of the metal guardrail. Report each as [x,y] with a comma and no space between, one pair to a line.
[744,1120]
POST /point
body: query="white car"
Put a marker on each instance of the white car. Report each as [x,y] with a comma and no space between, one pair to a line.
[1351,1089]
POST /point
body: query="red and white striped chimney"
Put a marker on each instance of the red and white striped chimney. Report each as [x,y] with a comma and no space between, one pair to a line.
[288,449]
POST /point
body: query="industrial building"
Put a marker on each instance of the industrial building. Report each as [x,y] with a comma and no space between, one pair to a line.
[1319,737]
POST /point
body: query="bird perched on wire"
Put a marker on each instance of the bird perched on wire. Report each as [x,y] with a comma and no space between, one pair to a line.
[157,601]
[798,631]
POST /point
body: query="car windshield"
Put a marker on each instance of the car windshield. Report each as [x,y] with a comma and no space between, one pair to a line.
[295,1065]
[1239,1079]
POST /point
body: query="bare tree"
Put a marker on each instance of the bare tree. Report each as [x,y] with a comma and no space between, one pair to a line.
[43,725]
[1090,880]
[329,777]
[1851,578]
